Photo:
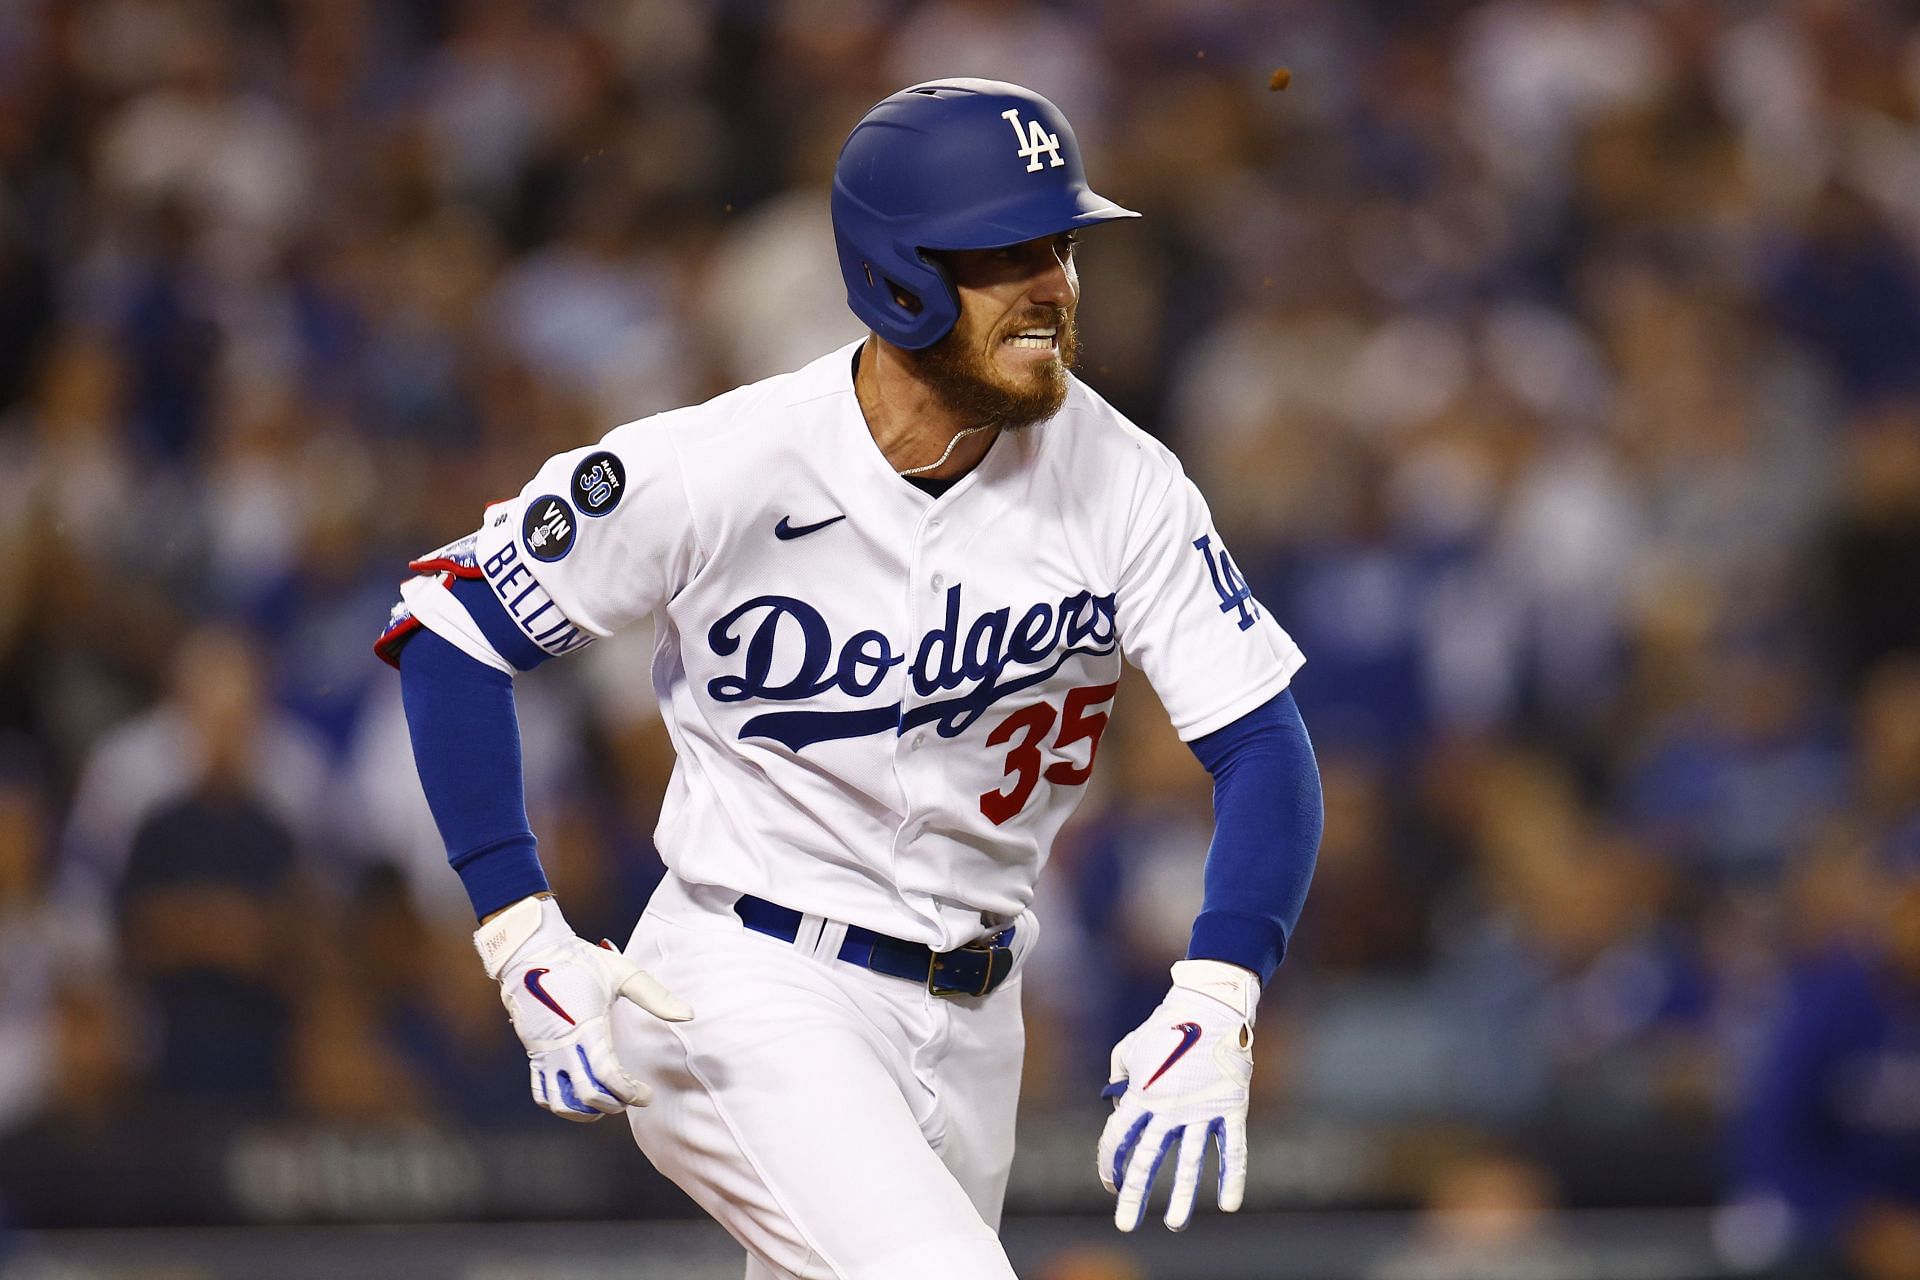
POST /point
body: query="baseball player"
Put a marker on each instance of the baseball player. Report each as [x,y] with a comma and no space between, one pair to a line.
[892,591]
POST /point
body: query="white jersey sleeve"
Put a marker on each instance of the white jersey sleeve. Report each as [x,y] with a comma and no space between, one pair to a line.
[601,537]
[1186,617]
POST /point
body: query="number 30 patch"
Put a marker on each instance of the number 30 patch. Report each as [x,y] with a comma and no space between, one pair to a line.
[599,482]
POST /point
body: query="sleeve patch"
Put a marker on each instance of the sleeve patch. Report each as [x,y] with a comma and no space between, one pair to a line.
[599,482]
[548,528]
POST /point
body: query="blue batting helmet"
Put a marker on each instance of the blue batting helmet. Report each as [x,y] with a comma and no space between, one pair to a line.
[950,164]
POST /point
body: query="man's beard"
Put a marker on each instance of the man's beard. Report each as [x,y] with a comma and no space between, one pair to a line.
[966,380]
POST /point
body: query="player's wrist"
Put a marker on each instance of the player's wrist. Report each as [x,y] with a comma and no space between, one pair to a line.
[1232,985]
[509,931]
[544,893]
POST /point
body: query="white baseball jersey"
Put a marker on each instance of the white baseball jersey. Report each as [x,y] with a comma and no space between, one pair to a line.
[884,704]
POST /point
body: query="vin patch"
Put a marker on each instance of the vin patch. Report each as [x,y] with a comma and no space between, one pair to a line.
[548,528]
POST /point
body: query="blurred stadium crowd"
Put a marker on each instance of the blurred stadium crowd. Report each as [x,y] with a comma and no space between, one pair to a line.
[1553,368]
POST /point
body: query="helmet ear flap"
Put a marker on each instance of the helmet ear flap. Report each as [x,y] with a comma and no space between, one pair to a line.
[933,309]
[906,301]
[946,298]
[905,297]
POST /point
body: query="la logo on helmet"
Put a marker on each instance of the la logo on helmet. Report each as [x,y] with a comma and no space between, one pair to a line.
[1034,139]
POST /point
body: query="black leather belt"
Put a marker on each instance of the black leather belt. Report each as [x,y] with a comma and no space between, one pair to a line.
[973,970]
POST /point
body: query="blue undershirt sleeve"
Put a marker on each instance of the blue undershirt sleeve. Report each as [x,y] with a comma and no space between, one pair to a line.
[477,598]
[466,745]
[1266,834]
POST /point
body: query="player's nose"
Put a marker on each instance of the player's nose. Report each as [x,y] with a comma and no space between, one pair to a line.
[1052,283]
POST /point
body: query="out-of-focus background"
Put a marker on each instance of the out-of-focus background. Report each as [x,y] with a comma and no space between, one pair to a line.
[1554,372]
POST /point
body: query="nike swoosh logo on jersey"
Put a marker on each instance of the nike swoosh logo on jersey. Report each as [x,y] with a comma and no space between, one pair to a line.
[1189,1036]
[540,994]
[788,532]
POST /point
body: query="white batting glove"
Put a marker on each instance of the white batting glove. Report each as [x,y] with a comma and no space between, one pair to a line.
[559,990]
[1179,1081]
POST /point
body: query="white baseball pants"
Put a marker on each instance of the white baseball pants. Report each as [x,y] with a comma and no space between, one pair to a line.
[840,1123]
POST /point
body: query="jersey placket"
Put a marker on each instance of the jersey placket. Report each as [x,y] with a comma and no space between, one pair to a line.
[929,577]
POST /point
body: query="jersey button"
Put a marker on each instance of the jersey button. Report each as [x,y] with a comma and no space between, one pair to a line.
[939,581]
[919,740]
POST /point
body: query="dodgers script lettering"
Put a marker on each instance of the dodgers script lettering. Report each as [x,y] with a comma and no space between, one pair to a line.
[982,661]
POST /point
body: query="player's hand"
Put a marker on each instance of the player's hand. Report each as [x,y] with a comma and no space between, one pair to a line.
[1178,1081]
[559,990]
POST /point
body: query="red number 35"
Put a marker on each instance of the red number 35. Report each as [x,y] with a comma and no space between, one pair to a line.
[1026,729]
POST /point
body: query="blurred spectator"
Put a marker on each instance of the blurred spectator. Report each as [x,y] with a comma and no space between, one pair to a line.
[233,160]
[81,625]
[1373,886]
[1849,288]
[216,727]
[164,307]
[591,310]
[1875,551]
[1887,747]
[209,918]
[773,294]
[1743,776]
[65,1054]
[27,316]
[1830,1132]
